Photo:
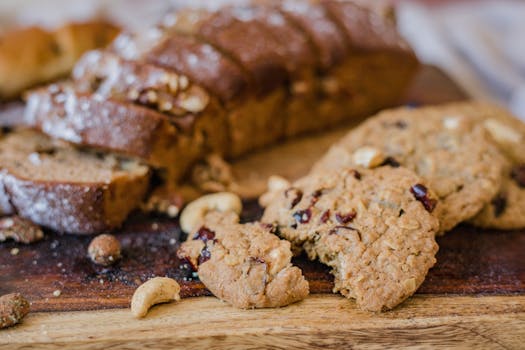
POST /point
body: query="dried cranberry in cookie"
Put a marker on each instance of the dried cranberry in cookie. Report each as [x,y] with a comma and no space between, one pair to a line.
[422,194]
[345,218]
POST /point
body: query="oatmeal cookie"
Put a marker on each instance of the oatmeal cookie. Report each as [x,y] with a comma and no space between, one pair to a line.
[373,227]
[448,148]
[245,265]
[506,210]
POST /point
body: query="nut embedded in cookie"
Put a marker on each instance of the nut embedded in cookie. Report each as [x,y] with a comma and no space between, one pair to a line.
[245,265]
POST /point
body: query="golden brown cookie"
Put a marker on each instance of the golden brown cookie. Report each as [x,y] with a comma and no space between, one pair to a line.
[374,228]
[244,264]
[450,149]
[506,210]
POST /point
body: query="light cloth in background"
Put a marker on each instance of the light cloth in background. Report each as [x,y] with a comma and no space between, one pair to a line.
[480,44]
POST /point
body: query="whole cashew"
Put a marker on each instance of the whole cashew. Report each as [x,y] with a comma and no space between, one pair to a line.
[275,185]
[192,216]
[154,291]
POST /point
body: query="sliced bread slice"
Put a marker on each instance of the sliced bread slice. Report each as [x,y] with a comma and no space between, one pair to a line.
[65,189]
[112,125]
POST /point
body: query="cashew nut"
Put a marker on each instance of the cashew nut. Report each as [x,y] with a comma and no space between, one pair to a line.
[193,215]
[368,157]
[154,291]
[275,185]
[502,133]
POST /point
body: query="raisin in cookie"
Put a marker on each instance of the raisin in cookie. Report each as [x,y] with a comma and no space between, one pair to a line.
[506,210]
[244,264]
[373,227]
[449,149]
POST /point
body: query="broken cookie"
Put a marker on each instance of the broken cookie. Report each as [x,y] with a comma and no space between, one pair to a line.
[245,265]
[374,228]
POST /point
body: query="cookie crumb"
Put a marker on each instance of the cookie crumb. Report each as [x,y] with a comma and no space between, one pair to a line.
[20,230]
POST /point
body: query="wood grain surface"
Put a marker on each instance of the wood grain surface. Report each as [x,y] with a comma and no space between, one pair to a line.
[473,298]
[319,322]
[470,261]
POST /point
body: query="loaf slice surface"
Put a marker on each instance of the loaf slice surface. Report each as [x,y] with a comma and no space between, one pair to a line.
[65,189]
[203,64]
[364,28]
[109,124]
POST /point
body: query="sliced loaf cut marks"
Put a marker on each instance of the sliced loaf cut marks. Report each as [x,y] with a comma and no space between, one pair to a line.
[108,124]
[301,62]
[365,29]
[240,36]
[379,62]
[255,49]
[196,113]
[333,102]
[248,113]
[65,189]
[282,60]
[247,48]
[311,18]
[201,62]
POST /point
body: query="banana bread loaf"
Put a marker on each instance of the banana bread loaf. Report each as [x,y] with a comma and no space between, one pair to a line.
[253,75]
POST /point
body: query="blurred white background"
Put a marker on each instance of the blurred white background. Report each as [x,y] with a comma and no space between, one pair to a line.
[479,43]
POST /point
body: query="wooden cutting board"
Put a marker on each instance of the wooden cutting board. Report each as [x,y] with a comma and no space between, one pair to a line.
[474,297]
